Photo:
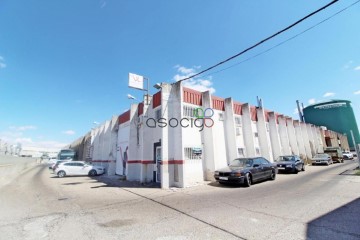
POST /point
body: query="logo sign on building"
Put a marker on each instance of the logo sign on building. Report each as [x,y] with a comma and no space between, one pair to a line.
[332,105]
[136,81]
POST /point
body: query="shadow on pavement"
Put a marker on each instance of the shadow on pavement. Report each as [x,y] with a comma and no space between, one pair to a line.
[114,181]
[341,223]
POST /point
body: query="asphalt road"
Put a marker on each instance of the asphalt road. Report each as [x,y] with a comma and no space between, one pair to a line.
[316,204]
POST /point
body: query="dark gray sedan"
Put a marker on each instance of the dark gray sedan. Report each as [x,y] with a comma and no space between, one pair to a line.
[290,163]
[246,171]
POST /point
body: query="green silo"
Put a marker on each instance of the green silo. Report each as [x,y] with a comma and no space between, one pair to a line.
[336,115]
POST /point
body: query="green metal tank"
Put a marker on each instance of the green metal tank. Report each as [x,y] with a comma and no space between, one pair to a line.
[336,115]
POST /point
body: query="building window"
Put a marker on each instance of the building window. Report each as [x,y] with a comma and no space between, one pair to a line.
[238,121]
[256,134]
[241,152]
[158,114]
[238,131]
[221,116]
[189,111]
[267,126]
[192,153]
[257,151]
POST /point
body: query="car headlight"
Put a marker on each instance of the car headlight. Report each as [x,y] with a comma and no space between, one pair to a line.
[235,174]
[289,165]
[216,173]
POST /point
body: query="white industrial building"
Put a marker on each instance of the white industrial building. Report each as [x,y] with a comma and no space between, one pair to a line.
[162,140]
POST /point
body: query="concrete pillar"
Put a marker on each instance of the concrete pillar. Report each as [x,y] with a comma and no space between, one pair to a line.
[316,138]
[265,146]
[306,140]
[299,139]
[322,133]
[311,139]
[292,136]
[247,131]
[284,138]
[321,139]
[113,145]
[208,140]
[230,130]
[274,135]
[165,94]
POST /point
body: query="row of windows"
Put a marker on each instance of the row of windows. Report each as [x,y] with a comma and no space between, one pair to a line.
[241,152]
[196,153]
[192,153]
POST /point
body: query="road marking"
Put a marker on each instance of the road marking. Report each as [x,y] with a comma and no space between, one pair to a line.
[6,165]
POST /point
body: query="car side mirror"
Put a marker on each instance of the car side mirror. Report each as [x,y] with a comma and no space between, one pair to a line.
[256,165]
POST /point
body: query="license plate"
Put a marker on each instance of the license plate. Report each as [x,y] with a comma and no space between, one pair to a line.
[281,168]
[223,178]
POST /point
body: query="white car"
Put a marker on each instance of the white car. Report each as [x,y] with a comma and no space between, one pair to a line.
[348,155]
[322,158]
[74,168]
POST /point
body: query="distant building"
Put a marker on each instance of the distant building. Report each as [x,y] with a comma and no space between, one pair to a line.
[336,115]
[37,152]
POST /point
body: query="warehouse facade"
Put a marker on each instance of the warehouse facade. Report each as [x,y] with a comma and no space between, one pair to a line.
[180,136]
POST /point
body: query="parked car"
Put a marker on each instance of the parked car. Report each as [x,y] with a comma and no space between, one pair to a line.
[74,168]
[246,171]
[58,162]
[322,158]
[51,162]
[348,155]
[335,153]
[290,163]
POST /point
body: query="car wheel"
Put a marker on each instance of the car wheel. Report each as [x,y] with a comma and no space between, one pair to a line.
[248,180]
[296,171]
[61,174]
[92,173]
[273,175]
[303,168]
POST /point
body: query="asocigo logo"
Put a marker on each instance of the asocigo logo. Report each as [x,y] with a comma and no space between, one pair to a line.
[200,118]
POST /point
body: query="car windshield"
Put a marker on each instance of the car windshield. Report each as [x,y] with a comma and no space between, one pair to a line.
[321,155]
[285,159]
[241,162]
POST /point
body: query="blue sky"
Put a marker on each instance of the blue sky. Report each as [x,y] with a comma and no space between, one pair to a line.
[65,64]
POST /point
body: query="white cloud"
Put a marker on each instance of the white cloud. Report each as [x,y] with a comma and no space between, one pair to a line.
[357,68]
[312,101]
[2,62]
[296,111]
[69,132]
[357,92]
[348,64]
[24,141]
[200,84]
[329,94]
[23,128]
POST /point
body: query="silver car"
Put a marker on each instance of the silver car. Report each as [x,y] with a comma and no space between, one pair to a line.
[322,158]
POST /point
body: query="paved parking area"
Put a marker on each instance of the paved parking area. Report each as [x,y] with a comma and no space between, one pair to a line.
[318,203]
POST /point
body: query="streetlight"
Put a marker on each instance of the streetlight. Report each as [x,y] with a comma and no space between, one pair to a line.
[158,86]
[131,97]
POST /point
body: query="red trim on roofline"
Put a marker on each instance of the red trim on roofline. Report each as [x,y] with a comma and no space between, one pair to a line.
[156,99]
[192,96]
[123,118]
[218,103]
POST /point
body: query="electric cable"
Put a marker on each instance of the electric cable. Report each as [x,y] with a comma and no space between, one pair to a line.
[283,42]
[262,41]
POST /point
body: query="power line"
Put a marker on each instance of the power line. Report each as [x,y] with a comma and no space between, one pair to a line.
[283,42]
[262,41]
